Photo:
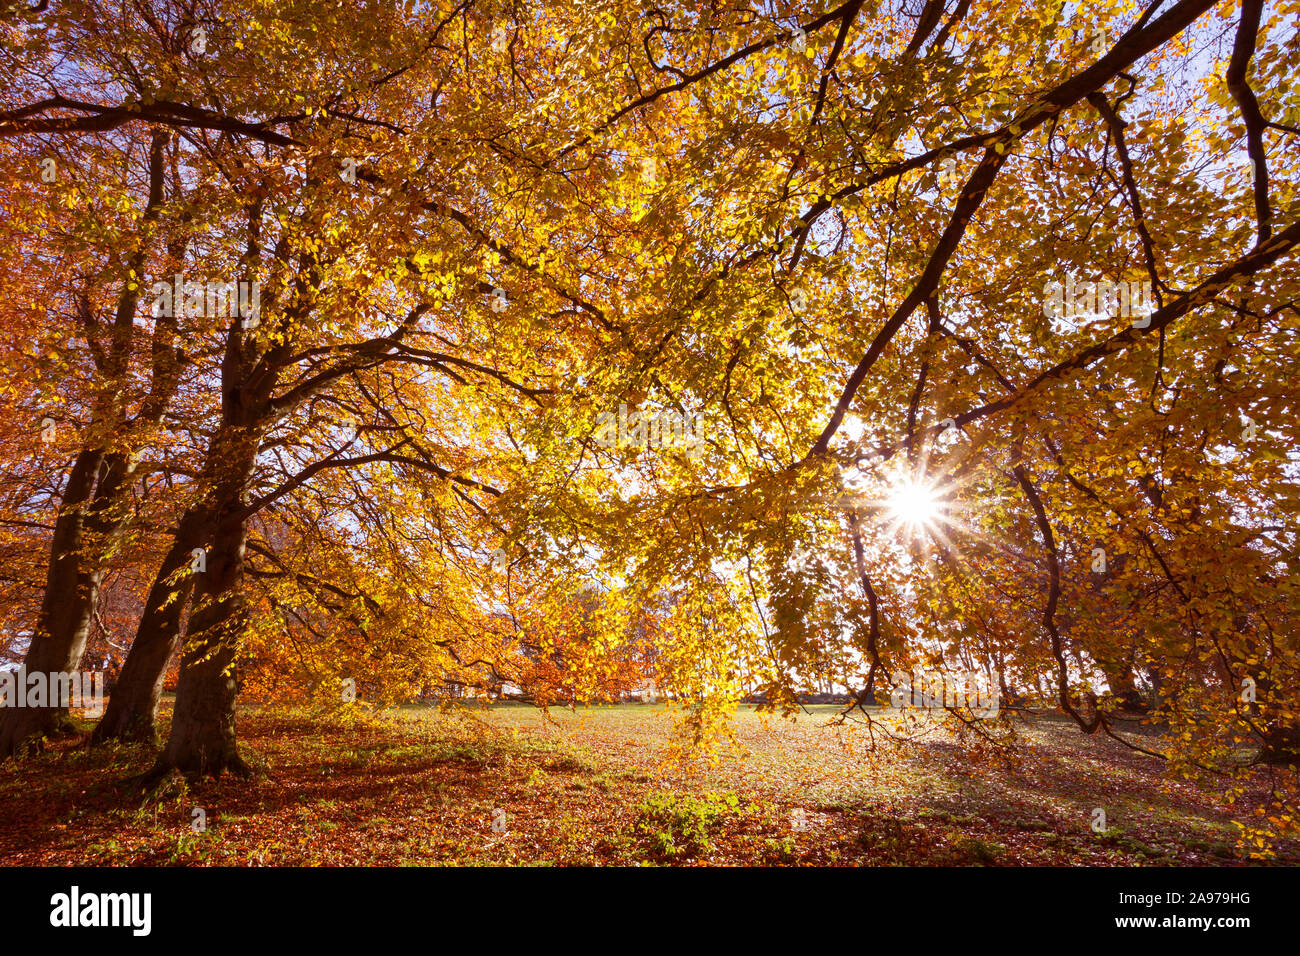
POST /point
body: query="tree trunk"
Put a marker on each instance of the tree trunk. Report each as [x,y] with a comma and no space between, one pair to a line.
[1161,693]
[1280,735]
[68,607]
[202,739]
[95,504]
[1119,678]
[1281,745]
[132,712]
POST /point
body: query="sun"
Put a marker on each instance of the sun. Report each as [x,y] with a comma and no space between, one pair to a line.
[915,503]
[924,505]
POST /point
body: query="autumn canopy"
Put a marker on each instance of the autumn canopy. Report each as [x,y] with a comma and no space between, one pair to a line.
[359,351]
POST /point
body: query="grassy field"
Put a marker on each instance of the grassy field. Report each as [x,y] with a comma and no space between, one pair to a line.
[509,785]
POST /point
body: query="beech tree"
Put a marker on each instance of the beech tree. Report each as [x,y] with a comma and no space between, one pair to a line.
[985,312]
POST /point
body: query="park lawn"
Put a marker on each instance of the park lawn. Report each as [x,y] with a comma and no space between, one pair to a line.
[510,785]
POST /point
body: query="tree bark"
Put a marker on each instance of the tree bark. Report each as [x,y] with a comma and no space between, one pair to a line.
[1279,737]
[67,609]
[202,739]
[1281,746]
[95,505]
[132,712]
[1119,677]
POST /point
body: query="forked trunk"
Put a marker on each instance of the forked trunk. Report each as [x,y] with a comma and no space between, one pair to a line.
[132,712]
[202,739]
